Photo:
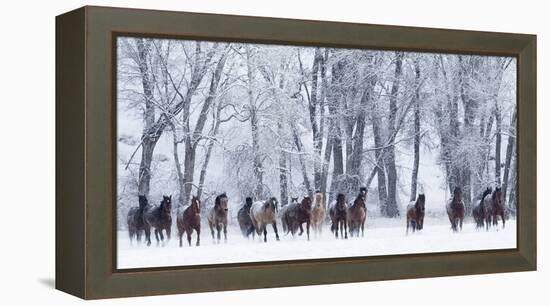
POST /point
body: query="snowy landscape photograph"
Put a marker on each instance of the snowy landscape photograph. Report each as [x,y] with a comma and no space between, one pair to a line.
[232,152]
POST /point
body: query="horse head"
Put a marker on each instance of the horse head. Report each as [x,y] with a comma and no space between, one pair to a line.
[487,192]
[166,203]
[142,201]
[196,204]
[319,201]
[221,202]
[271,204]
[306,203]
[340,200]
[457,195]
[363,193]
[293,200]
[497,196]
[420,203]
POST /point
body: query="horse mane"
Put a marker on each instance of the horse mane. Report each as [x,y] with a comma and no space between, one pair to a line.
[248,201]
[483,196]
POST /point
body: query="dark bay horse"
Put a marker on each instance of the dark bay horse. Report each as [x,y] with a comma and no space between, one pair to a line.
[160,218]
[455,209]
[357,214]
[481,210]
[136,223]
[497,207]
[243,216]
[294,215]
[263,213]
[190,220]
[217,217]
[415,213]
[339,216]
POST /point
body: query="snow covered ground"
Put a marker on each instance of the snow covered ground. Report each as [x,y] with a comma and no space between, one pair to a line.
[382,237]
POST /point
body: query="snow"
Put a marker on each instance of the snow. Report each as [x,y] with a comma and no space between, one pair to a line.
[382,237]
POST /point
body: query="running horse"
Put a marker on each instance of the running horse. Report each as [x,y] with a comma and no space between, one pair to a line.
[357,214]
[338,213]
[160,218]
[318,212]
[481,211]
[294,215]
[415,213]
[497,208]
[217,217]
[190,220]
[455,210]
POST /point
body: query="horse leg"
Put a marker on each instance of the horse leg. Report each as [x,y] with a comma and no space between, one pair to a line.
[265,232]
[461,221]
[188,232]
[218,230]
[180,234]
[307,230]
[148,235]
[275,230]
[363,229]
[131,235]
[212,231]
[157,235]
[345,230]
[225,232]
[161,235]
[407,231]
[503,220]
[335,228]
[168,232]
[198,229]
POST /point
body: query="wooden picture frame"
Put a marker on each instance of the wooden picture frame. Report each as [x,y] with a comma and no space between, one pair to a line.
[85,142]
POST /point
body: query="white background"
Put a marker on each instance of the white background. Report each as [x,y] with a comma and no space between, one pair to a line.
[27,82]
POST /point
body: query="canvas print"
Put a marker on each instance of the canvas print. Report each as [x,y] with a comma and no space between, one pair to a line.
[232,152]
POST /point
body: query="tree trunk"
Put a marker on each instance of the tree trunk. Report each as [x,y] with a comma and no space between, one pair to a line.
[512,200]
[498,140]
[380,171]
[391,206]
[178,167]
[336,132]
[148,143]
[313,108]
[283,177]
[509,152]
[299,148]
[414,178]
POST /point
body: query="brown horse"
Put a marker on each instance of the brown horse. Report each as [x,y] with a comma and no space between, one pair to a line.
[497,207]
[455,209]
[318,213]
[294,215]
[338,213]
[217,217]
[263,213]
[415,213]
[136,224]
[190,220]
[481,210]
[160,218]
[357,214]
